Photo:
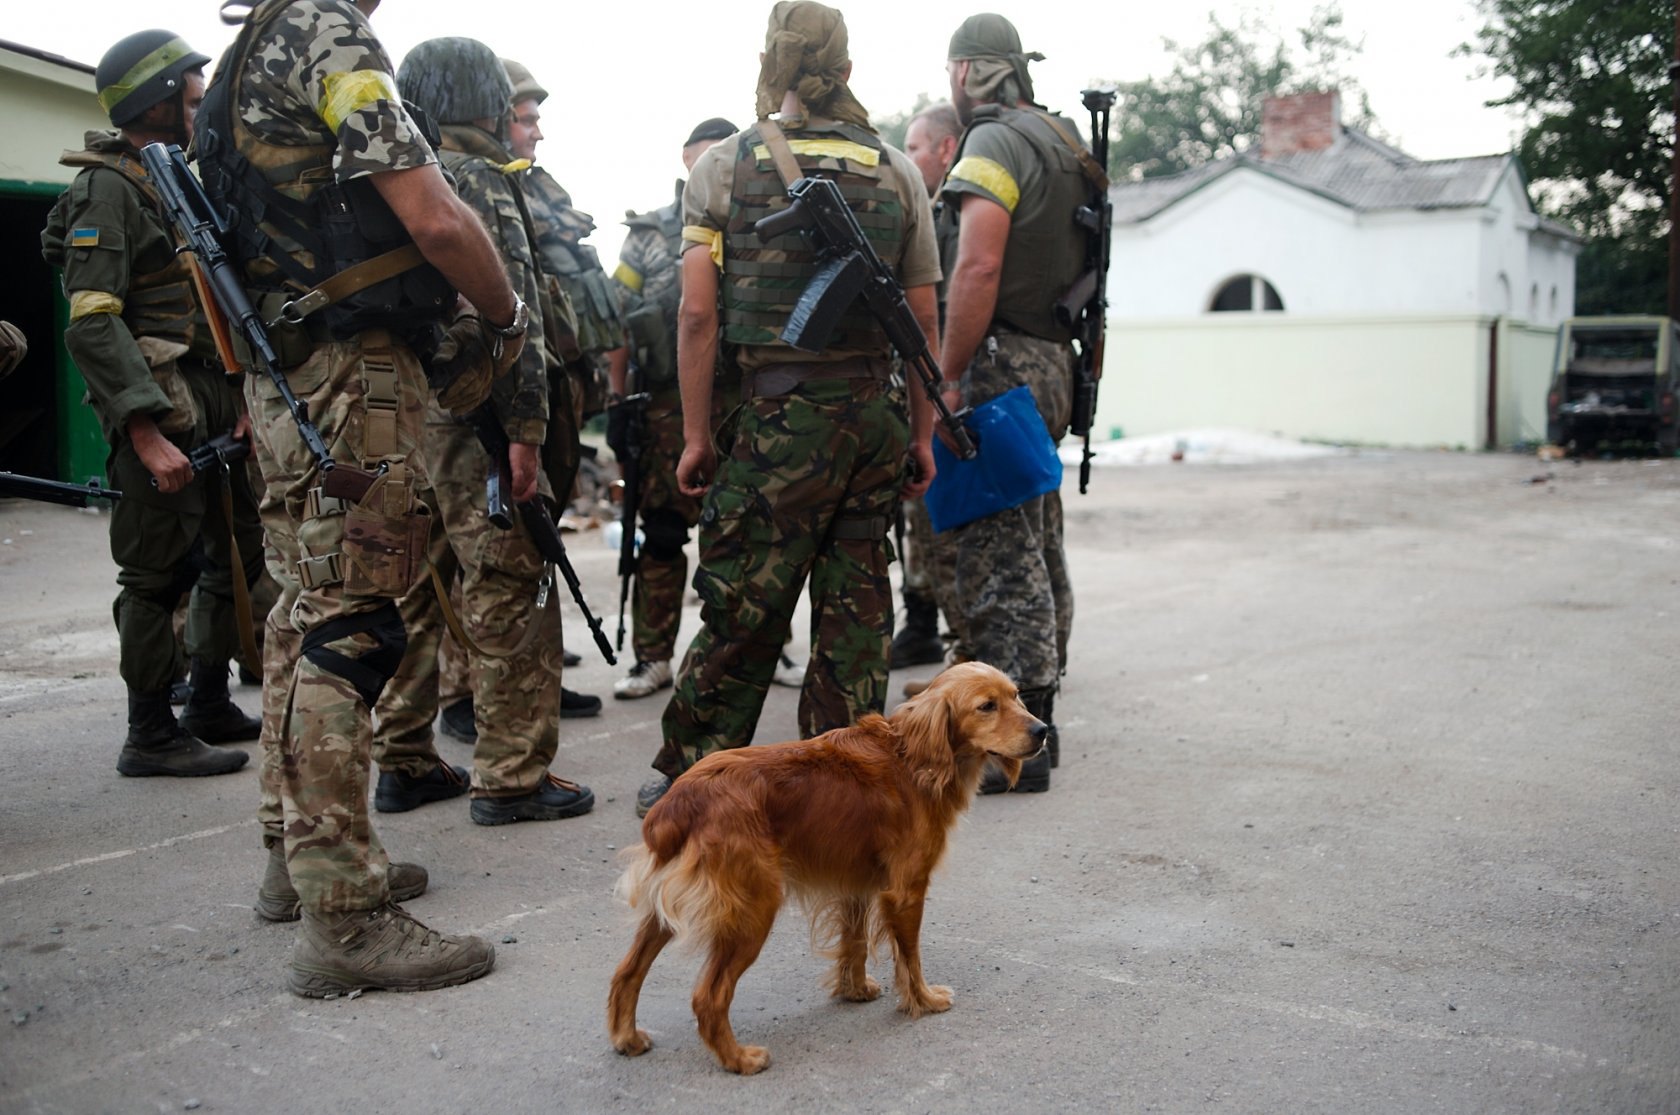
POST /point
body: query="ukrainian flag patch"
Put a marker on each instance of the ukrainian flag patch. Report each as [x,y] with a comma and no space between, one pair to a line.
[84,238]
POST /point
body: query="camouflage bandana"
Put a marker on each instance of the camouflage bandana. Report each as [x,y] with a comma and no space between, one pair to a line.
[805,51]
[992,47]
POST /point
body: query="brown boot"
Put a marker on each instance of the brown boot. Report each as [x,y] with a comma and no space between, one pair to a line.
[277,899]
[385,948]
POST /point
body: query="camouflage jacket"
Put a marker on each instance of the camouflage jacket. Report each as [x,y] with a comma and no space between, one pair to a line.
[560,233]
[485,178]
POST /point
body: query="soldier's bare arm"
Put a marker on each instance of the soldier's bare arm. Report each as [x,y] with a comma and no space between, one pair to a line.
[450,236]
[697,340]
[924,303]
[971,293]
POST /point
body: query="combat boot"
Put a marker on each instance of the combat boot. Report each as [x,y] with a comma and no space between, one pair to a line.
[385,948]
[156,744]
[277,899]
[917,643]
[210,714]
[1035,772]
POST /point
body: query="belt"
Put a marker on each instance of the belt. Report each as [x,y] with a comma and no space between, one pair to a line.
[772,380]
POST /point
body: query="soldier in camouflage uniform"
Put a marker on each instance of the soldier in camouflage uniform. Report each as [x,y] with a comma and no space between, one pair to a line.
[136,332]
[1011,196]
[350,240]
[512,622]
[823,445]
[582,329]
[649,284]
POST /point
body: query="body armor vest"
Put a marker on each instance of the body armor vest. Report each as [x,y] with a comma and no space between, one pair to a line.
[290,226]
[1045,251]
[653,325]
[762,282]
[160,303]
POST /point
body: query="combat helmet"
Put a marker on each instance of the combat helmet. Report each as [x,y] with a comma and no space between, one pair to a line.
[142,70]
[525,85]
[456,80]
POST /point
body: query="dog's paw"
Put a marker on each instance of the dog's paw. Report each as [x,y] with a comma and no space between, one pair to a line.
[752,1059]
[635,1045]
[853,992]
[933,1000]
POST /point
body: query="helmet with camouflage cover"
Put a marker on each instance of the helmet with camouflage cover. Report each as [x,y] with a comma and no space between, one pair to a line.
[142,70]
[525,84]
[455,80]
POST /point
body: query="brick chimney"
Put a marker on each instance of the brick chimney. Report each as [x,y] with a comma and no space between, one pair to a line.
[1300,123]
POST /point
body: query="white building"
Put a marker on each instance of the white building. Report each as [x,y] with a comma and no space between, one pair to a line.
[1334,287]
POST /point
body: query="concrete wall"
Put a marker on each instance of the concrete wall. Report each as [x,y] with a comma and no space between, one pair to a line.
[47,109]
[1525,375]
[1417,380]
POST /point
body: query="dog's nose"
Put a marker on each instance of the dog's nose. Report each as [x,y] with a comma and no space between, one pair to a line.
[1038,731]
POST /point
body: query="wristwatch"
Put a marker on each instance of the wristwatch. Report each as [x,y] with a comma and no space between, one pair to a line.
[515,328]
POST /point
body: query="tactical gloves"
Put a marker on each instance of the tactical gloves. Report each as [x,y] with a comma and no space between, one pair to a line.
[469,359]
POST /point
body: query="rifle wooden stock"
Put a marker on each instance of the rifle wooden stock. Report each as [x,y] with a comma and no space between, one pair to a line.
[220,331]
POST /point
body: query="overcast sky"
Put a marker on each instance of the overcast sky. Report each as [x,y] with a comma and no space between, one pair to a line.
[628,81]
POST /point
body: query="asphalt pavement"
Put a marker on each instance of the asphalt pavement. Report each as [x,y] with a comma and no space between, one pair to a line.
[1368,802]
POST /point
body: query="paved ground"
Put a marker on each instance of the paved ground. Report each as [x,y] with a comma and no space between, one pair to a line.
[1369,803]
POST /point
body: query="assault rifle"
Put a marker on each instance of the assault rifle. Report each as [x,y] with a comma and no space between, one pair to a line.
[535,515]
[55,491]
[219,452]
[635,427]
[187,205]
[1084,308]
[847,267]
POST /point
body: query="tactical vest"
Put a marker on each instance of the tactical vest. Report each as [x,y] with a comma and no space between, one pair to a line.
[653,324]
[160,303]
[575,265]
[1045,251]
[291,226]
[762,282]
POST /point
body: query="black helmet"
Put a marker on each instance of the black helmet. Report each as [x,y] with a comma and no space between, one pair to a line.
[143,70]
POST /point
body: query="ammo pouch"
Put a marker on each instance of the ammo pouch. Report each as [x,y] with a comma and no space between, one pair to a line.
[161,357]
[384,548]
[653,343]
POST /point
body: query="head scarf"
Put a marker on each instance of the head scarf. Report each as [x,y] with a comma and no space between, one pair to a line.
[997,70]
[805,51]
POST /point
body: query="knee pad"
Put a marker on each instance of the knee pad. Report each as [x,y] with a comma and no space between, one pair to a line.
[664,534]
[369,671]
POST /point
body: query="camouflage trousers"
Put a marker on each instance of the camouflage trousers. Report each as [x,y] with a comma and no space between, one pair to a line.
[332,634]
[665,517]
[516,699]
[930,565]
[1011,588]
[167,544]
[806,495]
[281,645]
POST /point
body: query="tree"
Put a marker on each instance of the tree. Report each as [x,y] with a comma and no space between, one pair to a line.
[1208,106]
[1592,77]
[893,126]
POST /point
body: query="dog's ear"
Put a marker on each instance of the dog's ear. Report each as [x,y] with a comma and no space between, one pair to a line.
[925,725]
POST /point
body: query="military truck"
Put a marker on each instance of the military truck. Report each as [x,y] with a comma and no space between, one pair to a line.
[1614,381]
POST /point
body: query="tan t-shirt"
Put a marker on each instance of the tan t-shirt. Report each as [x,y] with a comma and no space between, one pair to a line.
[705,205]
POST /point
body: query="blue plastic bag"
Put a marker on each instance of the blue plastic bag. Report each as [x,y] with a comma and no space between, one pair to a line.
[1017,462]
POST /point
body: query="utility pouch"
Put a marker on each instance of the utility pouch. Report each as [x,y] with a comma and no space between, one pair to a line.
[161,356]
[385,537]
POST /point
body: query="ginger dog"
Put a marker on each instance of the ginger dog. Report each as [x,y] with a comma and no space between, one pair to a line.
[851,823]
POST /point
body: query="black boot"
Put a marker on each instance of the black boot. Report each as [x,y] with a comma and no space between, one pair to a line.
[1035,772]
[209,714]
[156,745]
[917,643]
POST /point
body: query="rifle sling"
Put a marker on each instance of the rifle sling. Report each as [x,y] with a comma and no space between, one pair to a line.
[1087,162]
[241,590]
[787,167]
[350,281]
[457,629]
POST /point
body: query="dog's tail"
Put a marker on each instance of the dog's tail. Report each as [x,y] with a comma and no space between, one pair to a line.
[677,891]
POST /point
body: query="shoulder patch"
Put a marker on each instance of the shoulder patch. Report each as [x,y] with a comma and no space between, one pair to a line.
[84,238]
